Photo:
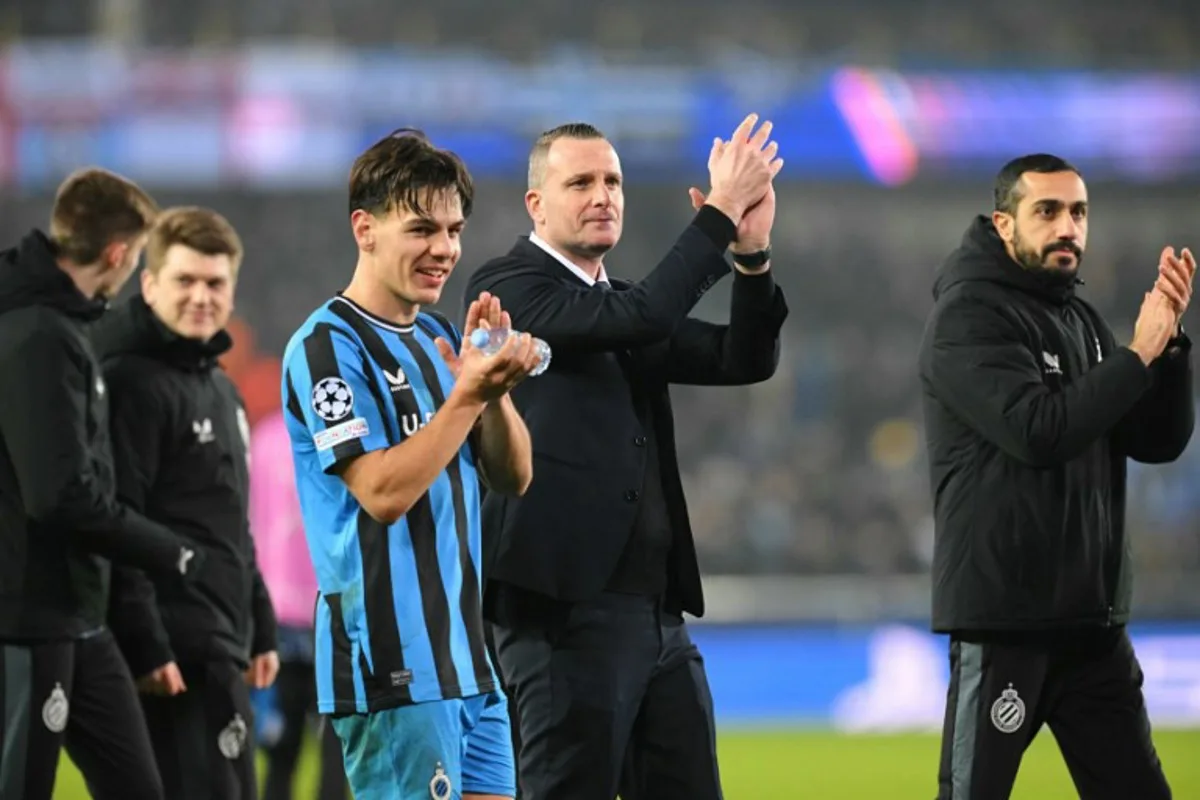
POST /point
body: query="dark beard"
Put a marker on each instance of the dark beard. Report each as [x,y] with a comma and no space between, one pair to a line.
[1051,258]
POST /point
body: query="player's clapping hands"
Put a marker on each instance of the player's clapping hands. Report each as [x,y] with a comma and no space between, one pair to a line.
[491,377]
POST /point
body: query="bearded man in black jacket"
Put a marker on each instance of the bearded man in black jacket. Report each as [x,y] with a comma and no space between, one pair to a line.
[1031,410]
[180,437]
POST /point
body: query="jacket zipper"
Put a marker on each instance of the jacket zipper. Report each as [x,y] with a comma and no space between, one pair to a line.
[1092,357]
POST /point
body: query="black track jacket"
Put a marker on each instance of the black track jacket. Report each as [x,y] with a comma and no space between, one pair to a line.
[180,444]
[1031,410]
[60,521]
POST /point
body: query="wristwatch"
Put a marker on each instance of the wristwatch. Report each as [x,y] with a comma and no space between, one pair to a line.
[752,260]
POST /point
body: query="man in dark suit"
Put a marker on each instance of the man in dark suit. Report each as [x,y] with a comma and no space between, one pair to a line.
[589,572]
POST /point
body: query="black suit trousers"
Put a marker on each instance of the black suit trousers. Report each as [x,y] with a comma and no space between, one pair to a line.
[610,696]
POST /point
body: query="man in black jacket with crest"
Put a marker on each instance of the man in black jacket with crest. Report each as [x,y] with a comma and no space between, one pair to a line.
[1031,411]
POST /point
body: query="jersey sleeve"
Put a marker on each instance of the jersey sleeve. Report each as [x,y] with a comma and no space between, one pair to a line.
[341,407]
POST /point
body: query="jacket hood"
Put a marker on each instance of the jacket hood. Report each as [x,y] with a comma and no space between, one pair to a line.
[30,276]
[981,257]
[132,328]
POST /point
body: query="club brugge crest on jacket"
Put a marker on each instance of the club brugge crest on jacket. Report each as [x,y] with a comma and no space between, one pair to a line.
[440,787]
[1008,712]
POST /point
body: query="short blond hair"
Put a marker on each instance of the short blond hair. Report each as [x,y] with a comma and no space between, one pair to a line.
[539,154]
[200,229]
[94,208]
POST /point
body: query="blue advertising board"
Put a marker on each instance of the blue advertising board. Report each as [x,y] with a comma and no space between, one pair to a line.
[881,678]
[894,677]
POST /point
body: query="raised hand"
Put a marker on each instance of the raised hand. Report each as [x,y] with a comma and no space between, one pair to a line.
[1175,276]
[489,378]
[484,312]
[741,169]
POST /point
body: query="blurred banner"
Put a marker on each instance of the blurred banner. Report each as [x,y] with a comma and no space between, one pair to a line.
[894,677]
[294,117]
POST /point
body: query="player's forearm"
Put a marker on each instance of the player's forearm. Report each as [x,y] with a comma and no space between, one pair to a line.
[404,473]
[506,452]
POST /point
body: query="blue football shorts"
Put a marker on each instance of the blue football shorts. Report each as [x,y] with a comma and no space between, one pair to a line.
[430,751]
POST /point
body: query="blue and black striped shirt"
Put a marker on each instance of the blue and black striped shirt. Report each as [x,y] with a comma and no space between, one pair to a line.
[398,617]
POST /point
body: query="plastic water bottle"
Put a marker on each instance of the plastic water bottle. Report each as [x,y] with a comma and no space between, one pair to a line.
[490,340]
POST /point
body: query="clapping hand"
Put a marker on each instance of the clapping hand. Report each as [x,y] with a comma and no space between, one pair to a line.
[484,312]
[741,171]
[489,377]
[1175,275]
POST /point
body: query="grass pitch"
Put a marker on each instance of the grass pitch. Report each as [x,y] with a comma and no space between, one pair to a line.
[832,766]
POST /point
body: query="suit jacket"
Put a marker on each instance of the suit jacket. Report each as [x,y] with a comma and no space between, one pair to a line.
[563,538]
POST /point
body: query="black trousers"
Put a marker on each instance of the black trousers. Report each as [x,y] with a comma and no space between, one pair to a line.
[1086,686]
[611,696]
[203,738]
[78,694]
[296,690]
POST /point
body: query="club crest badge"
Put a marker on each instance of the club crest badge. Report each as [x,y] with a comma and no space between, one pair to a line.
[1008,712]
[55,710]
[440,787]
[232,738]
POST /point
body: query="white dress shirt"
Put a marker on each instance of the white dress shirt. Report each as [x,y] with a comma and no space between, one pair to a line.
[566,262]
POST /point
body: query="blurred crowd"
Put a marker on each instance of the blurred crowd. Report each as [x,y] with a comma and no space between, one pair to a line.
[820,470]
[874,32]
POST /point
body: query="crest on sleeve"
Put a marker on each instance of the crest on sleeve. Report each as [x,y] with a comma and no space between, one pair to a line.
[332,399]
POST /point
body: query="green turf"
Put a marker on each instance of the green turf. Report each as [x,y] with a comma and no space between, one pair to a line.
[830,766]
